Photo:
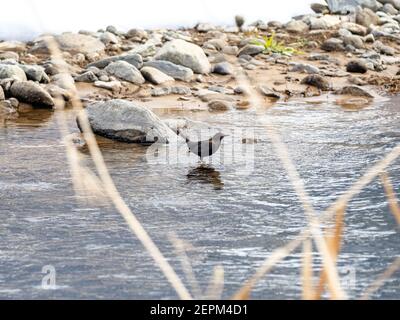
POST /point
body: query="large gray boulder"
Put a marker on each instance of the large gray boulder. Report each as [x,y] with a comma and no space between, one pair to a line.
[128,122]
[185,54]
[32,93]
[173,70]
[134,59]
[12,71]
[125,71]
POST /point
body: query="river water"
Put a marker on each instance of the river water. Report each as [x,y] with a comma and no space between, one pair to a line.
[230,217]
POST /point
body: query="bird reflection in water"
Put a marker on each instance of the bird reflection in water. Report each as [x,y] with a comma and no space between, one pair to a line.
[207,175]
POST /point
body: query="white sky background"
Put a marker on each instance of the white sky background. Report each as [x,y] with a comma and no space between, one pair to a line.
[21,19]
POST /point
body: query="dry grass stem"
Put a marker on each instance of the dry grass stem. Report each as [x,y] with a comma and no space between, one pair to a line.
[391,196]
[334,240]
[380,281]
[307,272]
[216,286]
[180,249]
[112,191]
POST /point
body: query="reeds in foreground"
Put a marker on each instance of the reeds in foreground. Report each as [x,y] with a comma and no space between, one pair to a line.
[327,242]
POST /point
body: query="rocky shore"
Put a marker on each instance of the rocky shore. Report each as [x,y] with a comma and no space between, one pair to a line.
[347,48]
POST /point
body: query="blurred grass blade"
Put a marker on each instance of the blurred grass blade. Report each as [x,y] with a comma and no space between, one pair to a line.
[391,196]
[307,271]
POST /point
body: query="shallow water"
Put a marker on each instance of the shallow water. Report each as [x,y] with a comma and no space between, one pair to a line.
[233,213]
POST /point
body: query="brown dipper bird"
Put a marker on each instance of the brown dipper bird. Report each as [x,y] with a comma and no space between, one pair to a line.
[206,148]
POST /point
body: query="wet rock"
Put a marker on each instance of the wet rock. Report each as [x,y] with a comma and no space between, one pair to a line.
[230,50]
[185,54]
[215,44]
[316,81]
[137,34]
[369,38]
[320,8]
[344,32]
[59,93]
[78,43]
[35,73]
[176,125]
[9,55]
[268,92]
[373,5]
[240,90]
[357,81]
[14,46]
[128,122]
[390,9]
[384,49]
[6,83]
[219,105]
[125,71]
[205,27]
[6,108]
[355,28]
[296,26]
[394,3]
[366,17]
[173,70]
[72,43]
[14,103]
[223,68]
[64,80]
[303,68]
[251,50]
[134,59]
[32,93]
[145,50]
[109,85]
[159,92]
[355,41]
[357,66]
[2,96]
[324,22]
[88,76]
[220,89]
[207,96]
[354,91]
[333,44]
[342,6]
[109,38]
[12,71]
[319,57]
[318,24]
[155,76]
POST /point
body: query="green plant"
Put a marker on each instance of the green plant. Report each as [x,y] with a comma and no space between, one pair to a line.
[272,46]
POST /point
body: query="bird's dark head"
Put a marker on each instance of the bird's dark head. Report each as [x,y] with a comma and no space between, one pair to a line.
[220,136]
